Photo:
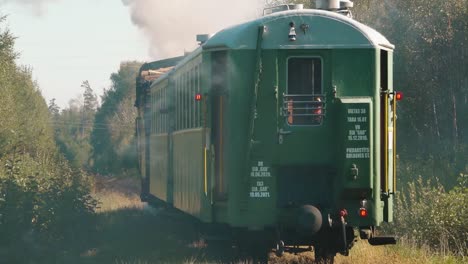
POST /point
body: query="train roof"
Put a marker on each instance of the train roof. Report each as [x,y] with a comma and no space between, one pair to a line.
[326,30]
[170,62]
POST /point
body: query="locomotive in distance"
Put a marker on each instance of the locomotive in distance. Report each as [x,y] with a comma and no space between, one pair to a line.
[283,127]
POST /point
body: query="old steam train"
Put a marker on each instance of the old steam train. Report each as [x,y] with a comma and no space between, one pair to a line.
[284,125]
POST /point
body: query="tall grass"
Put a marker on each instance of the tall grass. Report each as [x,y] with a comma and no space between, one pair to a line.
[428,216]
[126,231]
[171,241]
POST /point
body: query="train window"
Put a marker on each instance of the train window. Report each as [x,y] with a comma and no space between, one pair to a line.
[187,99]
[163,125]
[160,99]
[179,105]
[163,106]
[179,92]
[198,104]
[189,96]
[158,109]
[152,111]
[166,117]
[304,99]
[192,94]
[182,102]
[176,99]
[158,106]
[186,102]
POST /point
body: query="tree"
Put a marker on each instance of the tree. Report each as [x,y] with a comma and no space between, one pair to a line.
[90,98]
[54,109]
[41,198]
[113,133]
[74,126]
[90,104]
[430,67]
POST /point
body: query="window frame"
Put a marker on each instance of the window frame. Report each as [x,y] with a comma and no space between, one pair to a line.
[322,94]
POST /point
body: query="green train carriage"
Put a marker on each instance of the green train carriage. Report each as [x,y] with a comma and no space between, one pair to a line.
[284,124]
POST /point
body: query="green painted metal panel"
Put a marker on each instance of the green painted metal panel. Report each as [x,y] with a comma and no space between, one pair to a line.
[356,141]
[158,166]
[188,170]
[326,30]
[238,96]
[329,148]
[141,144]
[354,72]
[356,159]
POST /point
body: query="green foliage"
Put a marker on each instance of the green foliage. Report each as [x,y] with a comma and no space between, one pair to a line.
[24,118]
[41,203]
[427,215]
[90,99]
[430,68]
[42,200]
[54,109]
[7,53]
[113,138]
[73,127]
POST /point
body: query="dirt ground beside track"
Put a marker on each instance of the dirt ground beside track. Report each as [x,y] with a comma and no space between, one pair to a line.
[129,231]
[125,186]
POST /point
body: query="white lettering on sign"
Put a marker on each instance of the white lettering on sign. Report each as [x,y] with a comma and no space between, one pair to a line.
[359,119]
[357,153]
[357,134]
[260,190]
[260,170]
[354,111]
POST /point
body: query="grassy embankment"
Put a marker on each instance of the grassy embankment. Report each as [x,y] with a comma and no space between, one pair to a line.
[127,232]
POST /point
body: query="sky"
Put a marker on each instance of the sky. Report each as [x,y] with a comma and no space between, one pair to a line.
[66,42]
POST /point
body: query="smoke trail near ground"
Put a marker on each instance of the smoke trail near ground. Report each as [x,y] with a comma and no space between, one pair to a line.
[36,6]
[171,26]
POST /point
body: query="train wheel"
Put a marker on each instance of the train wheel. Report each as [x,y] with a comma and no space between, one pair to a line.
[279,248]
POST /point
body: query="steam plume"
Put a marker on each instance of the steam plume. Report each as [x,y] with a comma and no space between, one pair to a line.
[171,26]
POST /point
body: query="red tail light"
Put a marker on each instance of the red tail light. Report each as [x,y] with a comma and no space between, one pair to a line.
[363,212]
[198,97]
[398,96]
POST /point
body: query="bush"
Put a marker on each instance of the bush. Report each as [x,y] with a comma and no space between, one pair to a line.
[427,215]
[41,205]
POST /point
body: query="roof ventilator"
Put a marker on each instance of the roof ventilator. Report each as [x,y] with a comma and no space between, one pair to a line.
[339,6]
[202,38]
[274,9]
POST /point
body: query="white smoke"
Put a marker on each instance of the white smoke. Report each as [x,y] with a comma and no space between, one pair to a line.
[172,25]
[36,6]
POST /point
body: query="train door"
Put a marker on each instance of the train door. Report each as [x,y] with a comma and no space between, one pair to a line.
[303,81]
[304,142]
[142,155]
[388,134]
[219,122]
